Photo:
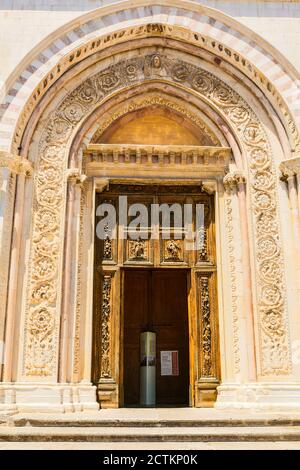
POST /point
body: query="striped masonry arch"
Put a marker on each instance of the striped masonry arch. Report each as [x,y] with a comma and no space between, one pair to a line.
[209,27]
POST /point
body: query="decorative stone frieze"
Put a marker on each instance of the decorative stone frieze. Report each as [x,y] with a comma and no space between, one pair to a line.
[215,159]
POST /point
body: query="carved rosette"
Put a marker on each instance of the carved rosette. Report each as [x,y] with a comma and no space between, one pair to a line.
[105,361]
[49,201]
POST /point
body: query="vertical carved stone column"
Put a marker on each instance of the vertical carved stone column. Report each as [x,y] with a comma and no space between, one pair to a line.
[75,181]
[107,332]
[234,359]
[207,332]
[22,168]
[235,183]
[298,185]
[203,312]
[291,174]
[292,190]
[82,352]
[7,187]
[106,325]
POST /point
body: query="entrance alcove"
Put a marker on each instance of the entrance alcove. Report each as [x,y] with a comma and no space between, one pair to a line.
[155,156]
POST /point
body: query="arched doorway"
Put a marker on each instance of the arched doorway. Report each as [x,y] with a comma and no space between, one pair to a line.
[225,138]
[166,283]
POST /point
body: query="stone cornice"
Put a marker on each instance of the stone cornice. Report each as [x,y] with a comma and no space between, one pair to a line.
[162,155]
[15,163]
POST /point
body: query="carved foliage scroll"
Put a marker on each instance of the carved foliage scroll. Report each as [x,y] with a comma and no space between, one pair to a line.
[206,328]
[105,365]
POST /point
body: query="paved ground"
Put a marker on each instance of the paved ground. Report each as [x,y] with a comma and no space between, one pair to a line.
[150,446]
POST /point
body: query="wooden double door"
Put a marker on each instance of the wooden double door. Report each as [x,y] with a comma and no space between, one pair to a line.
[156,300]
[160,283]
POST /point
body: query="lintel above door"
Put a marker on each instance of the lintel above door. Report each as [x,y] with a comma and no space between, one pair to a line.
[155,160]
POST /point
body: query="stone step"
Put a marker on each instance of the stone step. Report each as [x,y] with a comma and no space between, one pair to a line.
[102,422]
[150,434]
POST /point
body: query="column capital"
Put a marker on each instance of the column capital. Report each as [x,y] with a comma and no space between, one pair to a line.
[75,177]
[209,187]
[290,168]
[232,179]
[101,184]
[15,163]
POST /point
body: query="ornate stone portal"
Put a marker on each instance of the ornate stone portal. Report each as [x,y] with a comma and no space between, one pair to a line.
[49,312]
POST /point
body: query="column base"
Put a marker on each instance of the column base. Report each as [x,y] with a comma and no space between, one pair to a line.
[264,396]
[48,398]
[205,394]
[108,394]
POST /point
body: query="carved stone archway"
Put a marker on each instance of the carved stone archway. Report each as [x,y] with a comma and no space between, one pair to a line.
[40,319]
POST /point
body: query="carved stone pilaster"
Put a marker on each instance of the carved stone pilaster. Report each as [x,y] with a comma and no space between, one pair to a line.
[7,193]
[208,369]
[290,173]
[105,360]
[290,170]
[206,334]
[231,208]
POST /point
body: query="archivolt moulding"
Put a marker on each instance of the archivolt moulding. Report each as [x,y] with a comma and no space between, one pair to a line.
[43,300]
[104,27]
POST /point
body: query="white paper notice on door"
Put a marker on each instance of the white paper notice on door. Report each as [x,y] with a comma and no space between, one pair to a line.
[169,363]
